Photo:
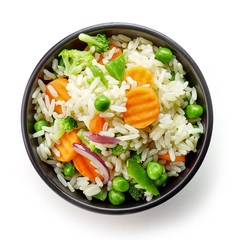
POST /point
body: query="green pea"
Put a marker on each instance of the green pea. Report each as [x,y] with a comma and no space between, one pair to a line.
[164,55]
[115,197]
[69,169]
[154,170]
[102,103]
[120,184]
[39,124]
[161,180]
[194,111]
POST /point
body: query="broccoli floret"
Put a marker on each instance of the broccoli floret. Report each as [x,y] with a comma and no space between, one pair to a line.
[135,156]
[65,125]
[136,193]
[100,42]
[75,61]
[117,150]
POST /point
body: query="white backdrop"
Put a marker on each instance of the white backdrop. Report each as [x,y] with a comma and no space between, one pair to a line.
[30,209]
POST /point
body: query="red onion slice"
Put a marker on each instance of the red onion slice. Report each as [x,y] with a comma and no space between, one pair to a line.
[95,160]
[95,137]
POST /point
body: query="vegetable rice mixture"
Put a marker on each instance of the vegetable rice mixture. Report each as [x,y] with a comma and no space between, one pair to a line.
[117,119]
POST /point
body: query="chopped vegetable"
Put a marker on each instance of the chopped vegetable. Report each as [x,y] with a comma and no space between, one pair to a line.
[86,142]
[95,160]
[67,153]
[166,157]
[75,61]
[141,75]
[154,170]
[199,133]
[136,193]
[115,55]
[102,103]
[99,41]
[96,124]
[97,72]
[143,107]
[120,184]
[90,80]
[116,67]
[102,195]
[141,177]
[117,150]
[115,197]
[194,111]
[96,137]
[84,166]
[61,93]
[161,180]
[69,169]
[164,55]
[61,63]
[39,124]
[136,157]
[172,76]
[65,125]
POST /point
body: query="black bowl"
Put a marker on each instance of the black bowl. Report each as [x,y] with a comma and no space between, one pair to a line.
[194,160]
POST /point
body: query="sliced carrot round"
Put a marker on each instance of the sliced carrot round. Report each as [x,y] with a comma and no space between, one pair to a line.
[59,85]
[141,75]
[96,124]
[83,165]
[143,107]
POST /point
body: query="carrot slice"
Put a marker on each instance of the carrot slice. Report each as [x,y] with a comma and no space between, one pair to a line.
[83,165]
[115,55]
[141,75]
[67,153]
[143,107]
[166,157]
[96,124]
[59,85]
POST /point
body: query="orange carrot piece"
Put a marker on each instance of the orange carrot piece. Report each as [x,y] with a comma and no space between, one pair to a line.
[67,153]
[59,85]
[143,107]
[166,157]
[96,124]
[141,75]
[83,165]
[115,55]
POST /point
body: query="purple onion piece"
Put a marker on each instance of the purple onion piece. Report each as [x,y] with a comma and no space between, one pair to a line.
[95,160]
[95,137]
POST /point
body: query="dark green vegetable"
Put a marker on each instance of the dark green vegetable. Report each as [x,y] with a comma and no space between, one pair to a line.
[194,111]
[97,72]
[135,156]
[136,193]
[162,180]
[164,55]
[116,67]
[141,177]
[118,149]
[172,76]
[115,197]
[61,63]
[120,184]
[99,41]
[75,61]
[90,80]
[86,142]
[199,134]
[39,124]
[154,170]
[102,103]
[69,169]
[65,125]
[56,74]
[102,195]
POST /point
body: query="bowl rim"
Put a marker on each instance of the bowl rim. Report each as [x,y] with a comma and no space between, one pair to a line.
[209,122]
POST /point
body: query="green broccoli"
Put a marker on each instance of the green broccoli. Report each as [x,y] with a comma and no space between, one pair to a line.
[75,61]
[135,156]
[136,193]
[65,125]
[117,150]
[100,42]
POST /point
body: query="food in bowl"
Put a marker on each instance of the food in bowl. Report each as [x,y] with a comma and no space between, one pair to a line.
[117,119]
